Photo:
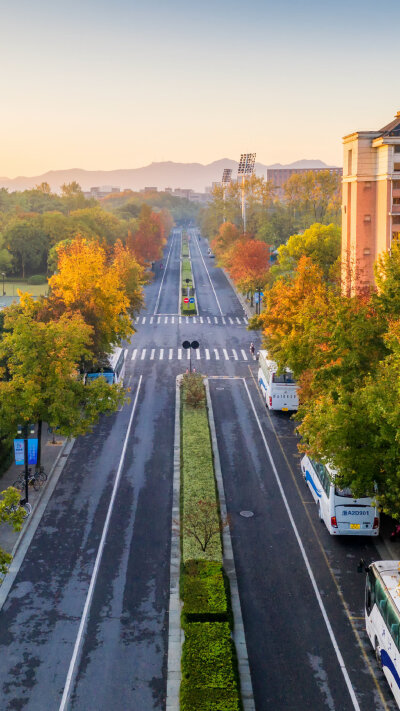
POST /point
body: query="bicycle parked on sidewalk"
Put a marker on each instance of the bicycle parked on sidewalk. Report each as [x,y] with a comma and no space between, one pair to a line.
[23,504]
[35,479]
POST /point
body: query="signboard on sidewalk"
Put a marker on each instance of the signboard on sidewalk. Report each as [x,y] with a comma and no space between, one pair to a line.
[32,451]
[19,452]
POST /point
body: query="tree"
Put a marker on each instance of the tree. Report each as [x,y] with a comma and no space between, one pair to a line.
[28,243]
[86,284]
[73,196]
[321,243]
[13,514]
[203,523]
[149,239]
[248,264]
[316,193]
[228,234]
[40,373]
[132,276]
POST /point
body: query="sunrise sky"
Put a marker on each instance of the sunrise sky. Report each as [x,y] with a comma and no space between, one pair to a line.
[103,85]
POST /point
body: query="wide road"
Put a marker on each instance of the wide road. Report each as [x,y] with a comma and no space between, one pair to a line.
[92,629]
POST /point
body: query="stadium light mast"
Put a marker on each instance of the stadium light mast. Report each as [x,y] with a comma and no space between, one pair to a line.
[226,179]
[245,169]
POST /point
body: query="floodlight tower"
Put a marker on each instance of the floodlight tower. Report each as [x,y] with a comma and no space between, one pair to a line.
[226,179]
[245,169]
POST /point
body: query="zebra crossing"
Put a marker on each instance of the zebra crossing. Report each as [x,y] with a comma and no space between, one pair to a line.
[210,320]
[173,354]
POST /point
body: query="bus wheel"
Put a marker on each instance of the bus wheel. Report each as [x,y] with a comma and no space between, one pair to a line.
[378,655]
[320,513]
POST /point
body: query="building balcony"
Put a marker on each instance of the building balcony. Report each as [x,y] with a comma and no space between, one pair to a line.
[396,193]
[395,210]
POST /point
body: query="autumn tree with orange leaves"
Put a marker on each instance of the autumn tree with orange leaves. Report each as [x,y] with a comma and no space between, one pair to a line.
[248,264]
[149,239]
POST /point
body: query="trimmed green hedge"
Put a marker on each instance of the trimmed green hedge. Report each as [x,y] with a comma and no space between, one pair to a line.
[37,279]
[203,592]
[188,309]
[209,678]
[198,483]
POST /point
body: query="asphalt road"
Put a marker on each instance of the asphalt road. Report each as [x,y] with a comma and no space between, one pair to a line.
[121,660]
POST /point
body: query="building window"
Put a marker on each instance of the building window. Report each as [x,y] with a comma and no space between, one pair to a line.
[367,252]
[350,162]
[397,167]
[396,184]
[367,218]
[367,186]
[397,149]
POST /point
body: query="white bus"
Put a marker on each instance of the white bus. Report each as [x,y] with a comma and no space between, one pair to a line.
[113,369]
[342,513]
[279,391]
[382,618]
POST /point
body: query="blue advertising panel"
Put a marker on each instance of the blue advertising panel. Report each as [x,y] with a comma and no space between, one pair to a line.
[19,452]
[32,450]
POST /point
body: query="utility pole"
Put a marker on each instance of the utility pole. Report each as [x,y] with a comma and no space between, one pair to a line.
[226,179]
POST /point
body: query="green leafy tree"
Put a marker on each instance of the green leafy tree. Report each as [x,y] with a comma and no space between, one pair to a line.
[27,243]
[321,243]
[11,513]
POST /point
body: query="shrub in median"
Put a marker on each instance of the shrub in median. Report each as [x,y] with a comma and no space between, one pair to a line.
[204,593]
[209,678]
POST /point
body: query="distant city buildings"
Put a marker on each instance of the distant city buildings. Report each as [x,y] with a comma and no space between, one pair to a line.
[370,203]
[279,176]
[100,192]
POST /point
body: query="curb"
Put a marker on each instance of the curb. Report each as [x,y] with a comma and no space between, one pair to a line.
[175,633]
[242,300]
[27,533]
[229,565]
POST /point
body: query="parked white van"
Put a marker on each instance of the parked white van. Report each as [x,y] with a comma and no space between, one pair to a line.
[280,391]
[342,513]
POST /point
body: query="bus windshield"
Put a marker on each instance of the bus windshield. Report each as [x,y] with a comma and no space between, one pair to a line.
[286,377]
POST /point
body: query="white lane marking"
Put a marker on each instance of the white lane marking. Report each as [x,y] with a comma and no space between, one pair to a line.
[159,319]
[225,352]
[215,319]
[207,354]
[134,352]
[237,319]
[153,350]
[163,277]
[216,354]
[223,320]
[198,354]
[208,319]
[179,353]
[143,354]
[230,320]
[89,597]
[161,353]
[244,354]
[194,319]
[170,354]
[201,319]
[144,319]
[172,319]
[305,558]
[166,319]
[209,278]
[151,319]
[235,355]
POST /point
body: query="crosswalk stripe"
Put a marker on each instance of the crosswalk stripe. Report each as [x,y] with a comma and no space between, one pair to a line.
[194,319]
[188,353]
[134,352]
[137,319]
[153,350]
[208,319]
[172,319]
[216,354]
[201,319]
[143,354]
[237,319]
[180,319]
[235,355]
[161,353]
[198,354]
[179,353]
[171,350]
[166,319]
[215,319]
[243,354]
[225,352]
[187,319]
[159,319]
[223,320]
[125,353]
[144,319]
[230,320]
[207,354]
[246,320]
[151,319]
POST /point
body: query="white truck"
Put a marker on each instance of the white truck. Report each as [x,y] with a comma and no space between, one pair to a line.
[279,390]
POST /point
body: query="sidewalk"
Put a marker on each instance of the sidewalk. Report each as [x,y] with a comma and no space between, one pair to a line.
[9,539]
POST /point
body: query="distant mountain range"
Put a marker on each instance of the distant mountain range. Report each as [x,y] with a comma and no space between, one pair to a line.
[160,175]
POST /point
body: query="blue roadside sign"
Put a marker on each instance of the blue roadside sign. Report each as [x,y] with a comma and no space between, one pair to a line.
[256,299]
[191,300]
[32,450]
[19,451]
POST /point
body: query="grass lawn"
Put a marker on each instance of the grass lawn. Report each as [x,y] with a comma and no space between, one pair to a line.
[11,288]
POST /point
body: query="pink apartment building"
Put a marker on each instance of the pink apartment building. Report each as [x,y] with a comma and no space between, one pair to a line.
[370,202]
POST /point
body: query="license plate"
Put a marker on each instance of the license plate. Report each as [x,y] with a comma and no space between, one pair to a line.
[355,525]
[285,409]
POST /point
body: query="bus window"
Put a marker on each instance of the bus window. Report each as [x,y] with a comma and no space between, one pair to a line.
[392,622]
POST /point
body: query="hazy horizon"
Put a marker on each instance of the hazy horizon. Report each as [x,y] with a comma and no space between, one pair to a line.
[100,87]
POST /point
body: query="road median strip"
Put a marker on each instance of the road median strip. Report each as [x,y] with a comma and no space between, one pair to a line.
[187,281]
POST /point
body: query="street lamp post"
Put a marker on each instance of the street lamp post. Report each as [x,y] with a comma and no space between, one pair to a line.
[190,345]
[245,169]
[23,430]
[226,179]
[3,275]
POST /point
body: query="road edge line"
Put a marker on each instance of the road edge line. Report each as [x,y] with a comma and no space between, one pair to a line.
[175,633]
[239,637]
[26,535]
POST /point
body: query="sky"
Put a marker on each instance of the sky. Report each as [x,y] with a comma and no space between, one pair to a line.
[121,84]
